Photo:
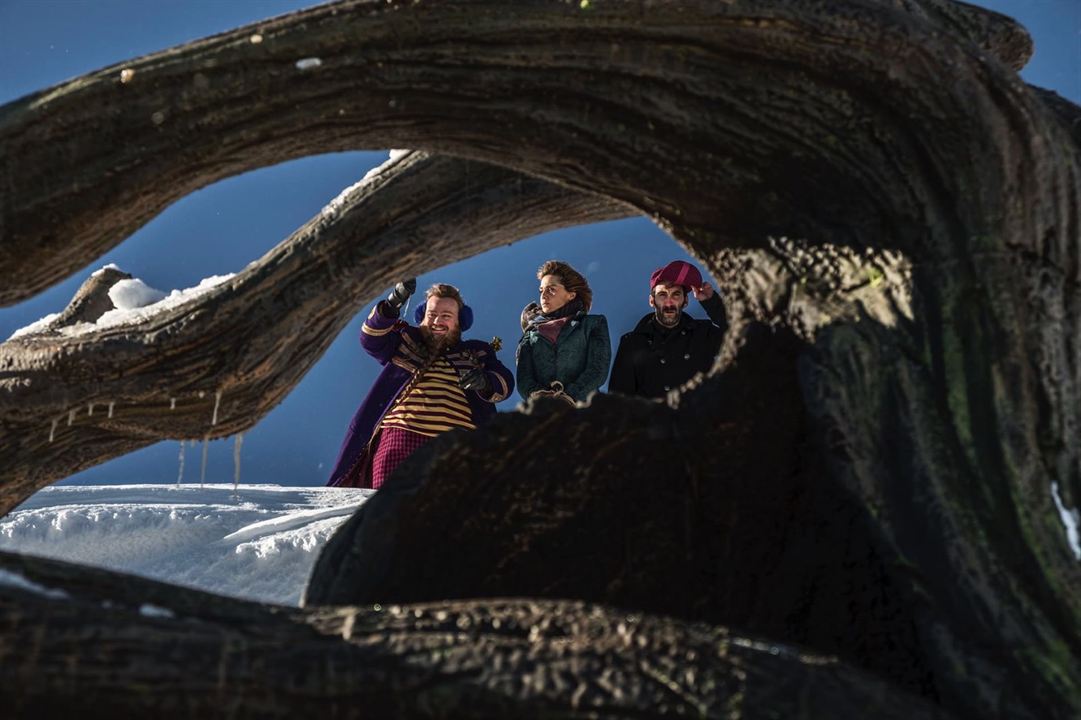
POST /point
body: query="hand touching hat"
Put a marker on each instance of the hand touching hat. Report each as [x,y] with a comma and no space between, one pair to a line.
[676,272]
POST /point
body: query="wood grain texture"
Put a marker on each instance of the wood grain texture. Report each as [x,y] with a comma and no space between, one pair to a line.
[870,180]
[116,645]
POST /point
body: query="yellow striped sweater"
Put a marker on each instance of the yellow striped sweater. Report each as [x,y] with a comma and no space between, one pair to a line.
[435,405]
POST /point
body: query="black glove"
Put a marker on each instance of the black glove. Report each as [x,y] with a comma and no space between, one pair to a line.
[401,293]
[475,379]
[398,296]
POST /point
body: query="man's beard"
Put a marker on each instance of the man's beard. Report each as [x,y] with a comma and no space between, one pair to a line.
[437,343]
[665,320]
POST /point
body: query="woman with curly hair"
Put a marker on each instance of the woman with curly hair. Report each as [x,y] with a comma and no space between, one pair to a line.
[564,352]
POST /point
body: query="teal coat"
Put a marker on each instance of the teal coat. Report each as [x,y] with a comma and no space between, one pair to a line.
[578,359]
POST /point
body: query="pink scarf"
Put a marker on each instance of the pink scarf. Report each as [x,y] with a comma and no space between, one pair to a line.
[550,330]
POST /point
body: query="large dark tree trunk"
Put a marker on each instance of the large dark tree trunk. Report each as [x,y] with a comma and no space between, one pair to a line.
[109,646]
[714,512]
[868,179]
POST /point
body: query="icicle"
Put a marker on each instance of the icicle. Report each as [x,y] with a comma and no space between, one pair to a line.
[111,409]
[52,432]
[71,417]
[90,410]
[237,442]
[172,403]
[202,472]
[217,401]
[180,473]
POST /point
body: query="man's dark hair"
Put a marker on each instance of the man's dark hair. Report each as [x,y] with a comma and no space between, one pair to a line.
[686,291]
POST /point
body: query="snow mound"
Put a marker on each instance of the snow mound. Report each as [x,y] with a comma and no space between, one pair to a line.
[258,544]
[133,293]
[138,313]
[39,325]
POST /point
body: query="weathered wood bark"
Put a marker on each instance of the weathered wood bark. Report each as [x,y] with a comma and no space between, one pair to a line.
[934,288]
[112,646]
[625,91]
[711,512]
[215,366]
[723,510]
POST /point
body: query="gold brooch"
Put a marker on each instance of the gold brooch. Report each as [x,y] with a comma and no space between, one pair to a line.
[496,343]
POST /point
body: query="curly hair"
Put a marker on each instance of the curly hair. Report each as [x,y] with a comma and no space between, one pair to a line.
[442,290]
[571,279]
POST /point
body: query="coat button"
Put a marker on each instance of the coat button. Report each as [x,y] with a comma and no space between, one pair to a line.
[686,356]
[667,388]
[662,361]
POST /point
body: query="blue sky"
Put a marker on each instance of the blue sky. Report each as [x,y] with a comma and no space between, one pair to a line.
[223,227]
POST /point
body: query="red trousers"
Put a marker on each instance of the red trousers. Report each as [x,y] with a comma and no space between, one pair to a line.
[394,446]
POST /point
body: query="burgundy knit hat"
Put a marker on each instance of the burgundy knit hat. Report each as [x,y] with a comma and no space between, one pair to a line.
[676,272]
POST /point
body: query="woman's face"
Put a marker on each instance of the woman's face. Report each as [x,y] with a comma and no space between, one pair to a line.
[553,295]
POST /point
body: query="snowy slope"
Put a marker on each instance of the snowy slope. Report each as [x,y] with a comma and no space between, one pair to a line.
[259,544]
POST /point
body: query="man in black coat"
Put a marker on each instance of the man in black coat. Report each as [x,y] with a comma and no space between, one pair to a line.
[668,347]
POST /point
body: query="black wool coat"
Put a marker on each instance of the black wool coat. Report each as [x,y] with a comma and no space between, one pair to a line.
[651,360]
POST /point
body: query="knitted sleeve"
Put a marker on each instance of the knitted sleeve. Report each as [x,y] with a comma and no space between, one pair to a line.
[714,308]
[598,357]
[525,374]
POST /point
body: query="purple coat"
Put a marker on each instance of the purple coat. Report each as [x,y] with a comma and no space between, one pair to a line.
[394,343]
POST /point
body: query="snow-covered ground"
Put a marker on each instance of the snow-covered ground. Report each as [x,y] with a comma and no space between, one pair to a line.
[259,543]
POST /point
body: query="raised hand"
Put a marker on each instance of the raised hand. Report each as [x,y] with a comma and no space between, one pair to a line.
[401,293]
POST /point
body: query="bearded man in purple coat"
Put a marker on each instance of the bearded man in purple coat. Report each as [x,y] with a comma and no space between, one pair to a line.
[432,382]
